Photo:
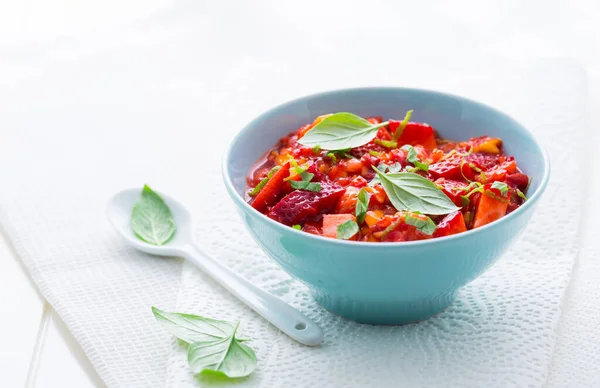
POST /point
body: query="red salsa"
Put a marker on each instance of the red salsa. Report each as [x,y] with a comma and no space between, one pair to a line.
[399,180]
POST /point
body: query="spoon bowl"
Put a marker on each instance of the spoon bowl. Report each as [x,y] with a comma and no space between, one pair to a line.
[280,314]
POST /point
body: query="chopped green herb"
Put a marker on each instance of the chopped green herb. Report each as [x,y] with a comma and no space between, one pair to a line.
[426,226]
[305,183]
[347,230]
[362,205]
[402,125]
[297,227]
[521,195]
[387,143]
[316,149]
[263,182]
[413,158]
[465,200]
[374,153]
[502,187]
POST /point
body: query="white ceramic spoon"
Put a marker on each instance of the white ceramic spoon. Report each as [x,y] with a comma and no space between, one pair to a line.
[280,314]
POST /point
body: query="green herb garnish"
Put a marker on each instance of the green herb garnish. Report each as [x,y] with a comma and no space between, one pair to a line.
[387,143]
[305,183]
[402,125]
[213,345]
[521,195]
[347,230]
[426,226]
[374,153]
[410,191]
[341,131]
[263,182]
[502,187]
[297,227]
[316,149]
[413,158]
[362,205]
[151,218]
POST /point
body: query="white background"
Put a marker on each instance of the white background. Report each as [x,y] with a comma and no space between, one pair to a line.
[43,42]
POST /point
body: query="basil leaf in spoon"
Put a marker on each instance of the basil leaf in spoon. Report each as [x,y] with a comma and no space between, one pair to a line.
[340,131]
[410,191]
[151,218]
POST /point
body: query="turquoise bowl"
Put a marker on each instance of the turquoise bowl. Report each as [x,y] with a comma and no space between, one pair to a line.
[386,283]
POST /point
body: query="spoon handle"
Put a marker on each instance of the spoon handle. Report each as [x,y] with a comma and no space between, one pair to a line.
[280,314]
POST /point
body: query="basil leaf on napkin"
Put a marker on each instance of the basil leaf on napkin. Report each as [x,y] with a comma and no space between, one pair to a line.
[340,131]
[410,191]
[227,356]
[213,344]
[151,218]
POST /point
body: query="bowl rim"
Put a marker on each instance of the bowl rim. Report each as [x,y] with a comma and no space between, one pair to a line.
[361,244]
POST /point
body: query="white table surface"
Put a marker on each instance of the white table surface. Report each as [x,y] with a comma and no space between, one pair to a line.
[36,349]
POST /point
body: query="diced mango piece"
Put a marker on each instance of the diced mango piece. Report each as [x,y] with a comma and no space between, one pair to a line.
[486,144]
[372,217]
[491,207]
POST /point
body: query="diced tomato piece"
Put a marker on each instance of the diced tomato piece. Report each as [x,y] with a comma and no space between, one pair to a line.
[332,221]
[415,134]
[450,168]
[353,165]
[378,193]
[492,206]
[347,203]
[269,194]
[499,172]
[359,182]
[453,189]
[451,224]
[299,205]
[436,155]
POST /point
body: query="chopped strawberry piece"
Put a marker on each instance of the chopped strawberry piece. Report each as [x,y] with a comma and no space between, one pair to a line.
[415,134]
[300,205]
[451,224]
[484,161]
[269,194]
[450,168]
[332,221]
[453,189]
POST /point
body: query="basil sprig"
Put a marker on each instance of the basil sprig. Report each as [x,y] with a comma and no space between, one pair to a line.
[151,218]
[213,344]
[340,131]
[410,191]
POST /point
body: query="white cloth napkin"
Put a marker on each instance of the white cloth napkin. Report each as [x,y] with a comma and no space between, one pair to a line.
[169,130]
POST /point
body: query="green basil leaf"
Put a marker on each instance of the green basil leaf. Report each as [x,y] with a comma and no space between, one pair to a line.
[227,356]
[193,328]
[413,158]
[347,230]
[341,130]
[502,187]
[362,205]
[151,218]
[402,125]
[305,183]
[426,226]
[410,191]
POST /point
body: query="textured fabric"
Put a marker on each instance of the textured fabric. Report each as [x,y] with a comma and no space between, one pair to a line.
[171,132]
[500,331]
